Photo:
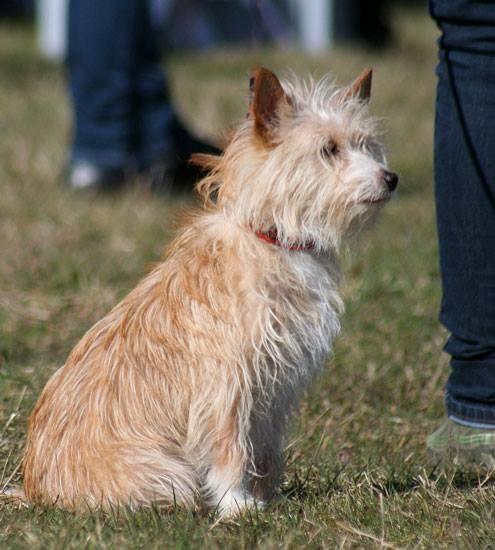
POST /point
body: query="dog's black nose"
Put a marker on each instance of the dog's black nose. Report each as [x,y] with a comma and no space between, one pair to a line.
[391,179]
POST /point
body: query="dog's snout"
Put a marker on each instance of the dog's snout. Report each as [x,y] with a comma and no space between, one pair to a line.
[391,180]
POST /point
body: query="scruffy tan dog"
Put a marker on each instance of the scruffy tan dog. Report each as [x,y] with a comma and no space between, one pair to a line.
[183,392]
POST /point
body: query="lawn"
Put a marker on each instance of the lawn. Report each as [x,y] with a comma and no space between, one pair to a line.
[357,474]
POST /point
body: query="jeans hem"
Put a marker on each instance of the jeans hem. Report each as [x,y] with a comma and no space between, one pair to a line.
[100,158]
[470,424]
[468,412]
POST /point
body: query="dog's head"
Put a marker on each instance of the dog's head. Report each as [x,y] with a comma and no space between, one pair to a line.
[307,161]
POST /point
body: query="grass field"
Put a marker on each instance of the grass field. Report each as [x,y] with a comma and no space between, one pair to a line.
[356,466]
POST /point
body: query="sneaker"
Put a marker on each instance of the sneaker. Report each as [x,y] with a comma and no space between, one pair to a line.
[86,176]
[453,444]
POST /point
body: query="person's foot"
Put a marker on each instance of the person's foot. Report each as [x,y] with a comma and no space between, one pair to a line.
[86,176]
[173,173]
[170,173]
[454,445]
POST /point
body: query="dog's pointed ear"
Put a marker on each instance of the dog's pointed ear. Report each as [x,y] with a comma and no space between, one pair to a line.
[361,87]
[267,102]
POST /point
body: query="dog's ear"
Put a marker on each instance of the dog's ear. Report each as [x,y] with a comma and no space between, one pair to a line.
[267,103]
[361,87]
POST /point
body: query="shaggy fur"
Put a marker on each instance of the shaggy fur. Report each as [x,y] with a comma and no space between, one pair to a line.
[183,392]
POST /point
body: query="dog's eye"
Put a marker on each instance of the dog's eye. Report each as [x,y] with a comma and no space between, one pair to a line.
[330,149]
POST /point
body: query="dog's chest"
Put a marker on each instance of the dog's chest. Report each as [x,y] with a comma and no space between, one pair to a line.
[304,317]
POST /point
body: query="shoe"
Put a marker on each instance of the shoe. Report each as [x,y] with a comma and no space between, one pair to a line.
[86,176]
[173,173]
[453,444]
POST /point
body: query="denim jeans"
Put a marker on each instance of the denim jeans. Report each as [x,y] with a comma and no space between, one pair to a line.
[465,202]
[119,91]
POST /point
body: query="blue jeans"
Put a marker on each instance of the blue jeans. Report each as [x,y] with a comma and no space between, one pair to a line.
[120,97]
[465,202]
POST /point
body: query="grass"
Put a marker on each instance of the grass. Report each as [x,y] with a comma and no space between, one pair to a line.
[356,474]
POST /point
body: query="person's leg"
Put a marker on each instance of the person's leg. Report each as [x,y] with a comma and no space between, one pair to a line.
[465,203]
[121,101]
[153,115]
[470,395]
[100,63]
[122,110]
[164,145]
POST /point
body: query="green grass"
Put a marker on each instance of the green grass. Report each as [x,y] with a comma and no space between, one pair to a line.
[356,474]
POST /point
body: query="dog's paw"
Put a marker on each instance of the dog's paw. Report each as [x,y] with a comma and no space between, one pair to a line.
[236,502]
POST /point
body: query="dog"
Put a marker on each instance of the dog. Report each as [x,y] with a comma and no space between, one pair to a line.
[183,393]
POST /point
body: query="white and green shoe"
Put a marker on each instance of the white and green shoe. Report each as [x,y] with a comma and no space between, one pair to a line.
[453,444]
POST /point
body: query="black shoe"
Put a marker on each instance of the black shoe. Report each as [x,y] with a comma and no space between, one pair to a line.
[173,173]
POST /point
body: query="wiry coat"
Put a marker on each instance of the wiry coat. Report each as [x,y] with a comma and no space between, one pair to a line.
[183,391]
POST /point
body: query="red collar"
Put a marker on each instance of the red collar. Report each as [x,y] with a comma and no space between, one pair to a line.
[271,236]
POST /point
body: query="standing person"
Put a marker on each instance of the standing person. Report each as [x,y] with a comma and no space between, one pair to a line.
[465,202]
[122,111]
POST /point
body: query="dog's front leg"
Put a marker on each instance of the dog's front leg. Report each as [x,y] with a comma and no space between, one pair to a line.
[227,486]
[226,489]
[266,436]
